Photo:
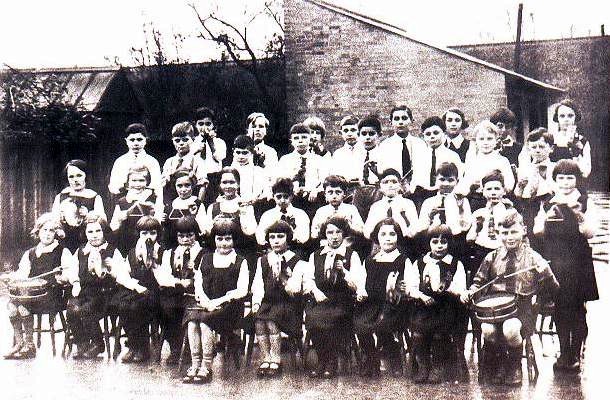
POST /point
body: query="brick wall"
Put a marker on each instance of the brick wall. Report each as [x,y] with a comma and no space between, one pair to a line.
[582,66]
[337,64]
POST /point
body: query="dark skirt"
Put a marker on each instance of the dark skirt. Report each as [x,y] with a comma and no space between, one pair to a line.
[172,298]
[440,317]
[374,316]
[288,315]
[225,319]
[126,301]
[328,315]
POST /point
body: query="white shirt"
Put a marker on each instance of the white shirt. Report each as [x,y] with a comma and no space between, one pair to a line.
[537,185]
[457,213]
[432,270]
[478,165]
[271,158]
[315,169]
[98,204]
[189,163]
[347,211]
[247,220]
[482,238]
[294,283]
[269,217]
[164,275]
[24,268]
[456,141]
[348,161]
[422,165]
[400,206]
[212,161]
[254,182]
[221,261]
[122,165]
[116,266]
[390,151]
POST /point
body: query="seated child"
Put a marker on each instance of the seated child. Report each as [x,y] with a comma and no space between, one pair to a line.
[276,297]
[175,279]
[138,303]
[45,257]
[136,136]
[221,282]
[438,310]
[502,341]
[96,269]
[388,276]
[330,278]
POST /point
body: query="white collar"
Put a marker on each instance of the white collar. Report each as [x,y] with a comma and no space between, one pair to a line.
[86,192]
[341,250]
[42,249]
[288,255]
[570,199]
[289,210]
[134,156]
[223,261]
[178,201]
[88,248]
[457,140]
[381,256]
[428,259]
[142,196]
[195,248]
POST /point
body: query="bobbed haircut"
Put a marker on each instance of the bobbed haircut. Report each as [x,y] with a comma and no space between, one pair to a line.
[254,116]
[299,128]
[148,223]
[493,176]
[188,174]
[80,164]
[401,107]
[136,128]
[504,115]
[567,103]
[224,227]
[371,121]
[283,185]
[243,142]
[335,181]
[44,219]
[388,172]
[182,129]
[433,121]
[139,169]
[204,112]
[187,224]
[510,218]
[315,123]
[540,133]
[447,169]
[567,167]
[459,112]
[94,218]
[339,222]
[442,231]
[383,222]
[280,227]
[348,120]
[232,171]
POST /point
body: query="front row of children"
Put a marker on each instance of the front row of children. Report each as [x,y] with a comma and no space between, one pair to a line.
[201,293]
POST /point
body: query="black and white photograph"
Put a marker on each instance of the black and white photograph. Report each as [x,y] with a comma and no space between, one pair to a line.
[304,199]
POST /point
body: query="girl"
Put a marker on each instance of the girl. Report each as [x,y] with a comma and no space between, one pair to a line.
[139,201]
[175,279]
[456,123]
[569,144]
[330,277]
[47,255]
[95,269]
[387,276]
[186,204]
[564,223]
[74,202]
[138,304]
[221,281]
[278,281]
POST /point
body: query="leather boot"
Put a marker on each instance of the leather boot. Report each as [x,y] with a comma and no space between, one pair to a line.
[17,337]
[488,363]
[501,361]
[514,375]
[422,359]
[29,348]
[438,349]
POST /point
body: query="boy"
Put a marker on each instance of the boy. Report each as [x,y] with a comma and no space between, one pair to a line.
[399,149]
[484,159]
[502,342]
[425,161]
[442,280]
[346,158]
[455,122]
[284,210]
[265,156]
[211,148]
[307,170]
[136,136]
[253,181]
[505,120]
[369,132]
[182,137]
[318,131]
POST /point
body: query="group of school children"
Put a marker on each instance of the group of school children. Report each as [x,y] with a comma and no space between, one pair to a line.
[415,228]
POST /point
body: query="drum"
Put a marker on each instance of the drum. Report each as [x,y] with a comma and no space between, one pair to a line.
[496,308]
[28,291]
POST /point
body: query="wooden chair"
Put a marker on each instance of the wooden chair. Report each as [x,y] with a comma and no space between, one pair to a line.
[51,316]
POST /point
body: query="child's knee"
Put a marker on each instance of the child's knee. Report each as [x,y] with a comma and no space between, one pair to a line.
[260,327]
[12,310]
[489,332]
[23,312]
[272,328]
[511,329]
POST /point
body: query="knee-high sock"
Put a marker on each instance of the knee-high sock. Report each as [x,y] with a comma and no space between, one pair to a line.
[194,338]
[275,348]
[264,346]
[579,332]
[17,330]
[28,330]
[208,340]
[562,324]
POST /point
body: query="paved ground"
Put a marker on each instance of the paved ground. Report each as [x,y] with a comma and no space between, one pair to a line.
[53,378]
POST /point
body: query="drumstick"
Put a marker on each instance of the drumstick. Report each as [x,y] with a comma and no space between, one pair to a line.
[53,271]
[491,282]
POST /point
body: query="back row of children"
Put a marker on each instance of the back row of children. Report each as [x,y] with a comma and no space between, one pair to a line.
[424,192]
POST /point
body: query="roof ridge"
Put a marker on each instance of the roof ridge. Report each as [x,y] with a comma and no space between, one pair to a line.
[532,41]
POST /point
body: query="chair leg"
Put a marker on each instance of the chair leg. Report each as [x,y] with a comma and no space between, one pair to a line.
[117,340]
[107,335]
[38,318]
[67,348]
[185,344]
[532,366]
[52,331]
[249,349]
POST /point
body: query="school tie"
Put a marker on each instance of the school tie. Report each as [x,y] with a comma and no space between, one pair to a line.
[186,258]
[442,215]
[390,208]
[283,265]
[180,162]
[542,170]
[406,158]
[433,168]
[491,225]
[365,172]
[302,169]
[511,258]
[331,257]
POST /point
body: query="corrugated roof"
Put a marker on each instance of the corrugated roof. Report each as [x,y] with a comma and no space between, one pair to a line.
[401,32]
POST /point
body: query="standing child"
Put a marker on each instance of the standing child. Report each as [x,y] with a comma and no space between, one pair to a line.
[505,120]
[318,131]
[437,313]
[369,132]
[569,144]
[265,156]
[276,301]
[136,136]
[211,148]
[46,256]
[564,223]
[74,202]
[388,276]
[331,279]
[176,282]
[221,282]
[351,154]
[184,205]
[455,122]
[138,304]
[255,186]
